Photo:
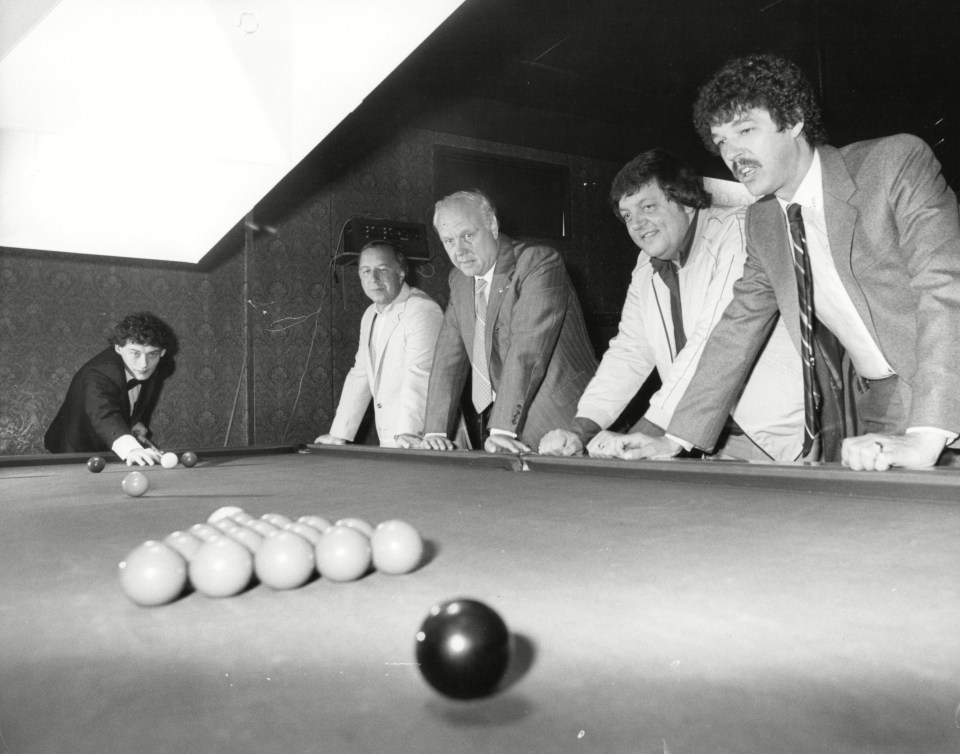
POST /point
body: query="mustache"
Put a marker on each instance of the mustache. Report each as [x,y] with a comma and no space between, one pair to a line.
[740,164]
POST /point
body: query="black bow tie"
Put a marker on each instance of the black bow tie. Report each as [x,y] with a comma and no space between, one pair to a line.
[133,383]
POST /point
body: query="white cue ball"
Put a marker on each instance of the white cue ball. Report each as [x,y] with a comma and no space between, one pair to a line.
[169,460]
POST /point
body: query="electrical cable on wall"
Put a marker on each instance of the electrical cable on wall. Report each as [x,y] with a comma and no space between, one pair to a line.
[306,364]
[277,325]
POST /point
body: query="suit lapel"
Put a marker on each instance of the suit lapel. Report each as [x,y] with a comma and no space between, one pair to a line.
[389,325]
[841,213]
[120,377]
[390,321]
[502,280]
[771,245]
[462,296]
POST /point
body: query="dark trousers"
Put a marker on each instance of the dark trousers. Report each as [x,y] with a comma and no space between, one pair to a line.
[477,425]
[837,379]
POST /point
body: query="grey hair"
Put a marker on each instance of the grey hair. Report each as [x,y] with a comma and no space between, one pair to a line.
[474,196]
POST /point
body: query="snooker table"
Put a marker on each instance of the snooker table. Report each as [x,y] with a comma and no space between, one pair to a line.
[679,606]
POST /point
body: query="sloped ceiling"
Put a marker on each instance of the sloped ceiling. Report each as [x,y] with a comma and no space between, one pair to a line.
[622,76]
[149,128]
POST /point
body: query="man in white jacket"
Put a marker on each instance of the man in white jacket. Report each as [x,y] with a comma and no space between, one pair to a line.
[692,254]
[398,333]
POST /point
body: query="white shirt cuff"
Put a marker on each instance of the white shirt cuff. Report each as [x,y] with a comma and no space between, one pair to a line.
[948,437]
[688,446]
[124,444]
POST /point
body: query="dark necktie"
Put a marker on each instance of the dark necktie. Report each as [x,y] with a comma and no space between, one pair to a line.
[811,389]
[667,271]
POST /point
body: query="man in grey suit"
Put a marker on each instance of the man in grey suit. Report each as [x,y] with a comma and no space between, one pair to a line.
[873,231]
[513,325]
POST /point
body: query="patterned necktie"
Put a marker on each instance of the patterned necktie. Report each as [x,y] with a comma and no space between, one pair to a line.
[801,263]
[482,392]
[667,271]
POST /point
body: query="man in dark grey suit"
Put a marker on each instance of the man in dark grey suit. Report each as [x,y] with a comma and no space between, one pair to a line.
[875,231]
[513,324]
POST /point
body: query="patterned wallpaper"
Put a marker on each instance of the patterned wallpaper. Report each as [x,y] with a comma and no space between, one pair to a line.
[56,309]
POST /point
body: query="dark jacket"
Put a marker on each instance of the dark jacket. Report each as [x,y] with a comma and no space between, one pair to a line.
[96,410]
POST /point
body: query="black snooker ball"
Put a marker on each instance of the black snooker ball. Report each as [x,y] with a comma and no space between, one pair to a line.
[463,648]
[96,464]
[189,459]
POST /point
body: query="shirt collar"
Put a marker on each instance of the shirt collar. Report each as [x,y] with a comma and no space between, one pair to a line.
[488,276]
[810,191]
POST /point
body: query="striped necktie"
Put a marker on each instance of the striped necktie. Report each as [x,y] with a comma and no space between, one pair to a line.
[811,390]
[482,392]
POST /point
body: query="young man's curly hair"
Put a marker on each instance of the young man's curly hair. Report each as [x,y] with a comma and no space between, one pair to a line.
[144,329]
[766,81]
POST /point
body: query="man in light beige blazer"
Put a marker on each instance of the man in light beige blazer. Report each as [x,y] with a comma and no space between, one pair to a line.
[398,334]
[691,254]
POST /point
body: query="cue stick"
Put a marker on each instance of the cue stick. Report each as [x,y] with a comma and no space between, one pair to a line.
[149,444]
